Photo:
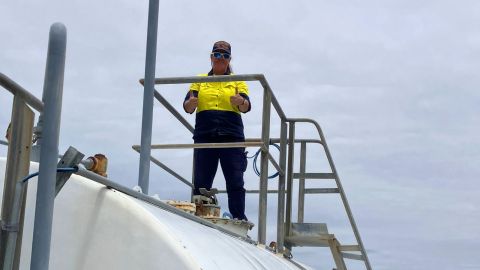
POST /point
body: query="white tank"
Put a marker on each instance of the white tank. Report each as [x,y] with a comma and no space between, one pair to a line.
[99,228]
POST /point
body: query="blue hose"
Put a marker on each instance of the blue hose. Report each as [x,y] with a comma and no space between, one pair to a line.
[73,169]
[255,168]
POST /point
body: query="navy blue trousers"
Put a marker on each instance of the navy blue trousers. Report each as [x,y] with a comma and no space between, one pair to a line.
[233,162]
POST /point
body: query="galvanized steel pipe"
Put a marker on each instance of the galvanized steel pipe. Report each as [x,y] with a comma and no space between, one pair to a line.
[14,191]
[281,188]
[262,200]
[19,91]
[147,115]
[52,93]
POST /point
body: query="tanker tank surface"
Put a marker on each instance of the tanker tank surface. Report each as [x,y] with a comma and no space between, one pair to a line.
[95,227]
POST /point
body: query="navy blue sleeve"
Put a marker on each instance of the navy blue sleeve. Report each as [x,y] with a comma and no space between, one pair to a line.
[245,96]
[195,94]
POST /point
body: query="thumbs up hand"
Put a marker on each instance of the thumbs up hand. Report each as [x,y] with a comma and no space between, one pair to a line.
[193,99]
[191,104]
[237,100]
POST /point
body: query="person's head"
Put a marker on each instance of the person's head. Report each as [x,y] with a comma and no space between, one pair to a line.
[220,57]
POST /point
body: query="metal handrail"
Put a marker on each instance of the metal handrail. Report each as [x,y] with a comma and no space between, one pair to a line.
[203,145]
[224,78]
[338,182]
[50,109]
[13,203]
[269,98]
[19,91]
[172,110]
[18,158]
[167,169]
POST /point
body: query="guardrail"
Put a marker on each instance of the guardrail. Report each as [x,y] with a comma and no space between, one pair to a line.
[285,163]
[18,158]
[269,99]
[285,167]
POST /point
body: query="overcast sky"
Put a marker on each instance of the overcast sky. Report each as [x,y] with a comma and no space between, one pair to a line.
[392,83]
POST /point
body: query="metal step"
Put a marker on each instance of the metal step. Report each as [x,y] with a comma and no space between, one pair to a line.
[349,248]
[309,241]
[351,256]
[314,176]
[309,235]
[321,190]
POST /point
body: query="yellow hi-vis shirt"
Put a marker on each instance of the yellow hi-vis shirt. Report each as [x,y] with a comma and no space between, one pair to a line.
[216,95]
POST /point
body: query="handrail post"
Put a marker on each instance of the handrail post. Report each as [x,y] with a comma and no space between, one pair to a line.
[301,182]
[53,89]
[148,94]
[291,150]
[281,188]
[262,205]
[14,192]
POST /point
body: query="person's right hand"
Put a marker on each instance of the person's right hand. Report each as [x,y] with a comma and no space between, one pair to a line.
[192,103]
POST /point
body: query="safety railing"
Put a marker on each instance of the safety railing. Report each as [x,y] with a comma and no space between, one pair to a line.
[285,163]
[269,99]
[285,168]
[18,158]
[302,176]
[18,163]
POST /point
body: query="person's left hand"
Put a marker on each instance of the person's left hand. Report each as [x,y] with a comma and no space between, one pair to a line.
[237,100]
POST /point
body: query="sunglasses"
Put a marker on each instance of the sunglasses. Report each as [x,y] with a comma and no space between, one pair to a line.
[221,55]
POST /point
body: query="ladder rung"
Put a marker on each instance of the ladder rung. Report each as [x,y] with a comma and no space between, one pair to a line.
[252,191]
[321,190]
[349,248]
[352,256]
[309,241]
[314,176]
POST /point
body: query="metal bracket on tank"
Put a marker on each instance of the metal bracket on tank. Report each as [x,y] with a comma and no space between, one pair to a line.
[72,157]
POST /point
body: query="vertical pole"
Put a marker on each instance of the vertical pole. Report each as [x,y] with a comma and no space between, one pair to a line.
[147,116]
[14,192]
[53,89]
[281,188]
[301,182]
[193,175]
[262,204]
[291,151]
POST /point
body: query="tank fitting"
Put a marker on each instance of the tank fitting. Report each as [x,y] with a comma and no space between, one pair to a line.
[97,164]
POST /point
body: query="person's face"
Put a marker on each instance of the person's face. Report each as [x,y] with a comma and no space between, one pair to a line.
[220,61]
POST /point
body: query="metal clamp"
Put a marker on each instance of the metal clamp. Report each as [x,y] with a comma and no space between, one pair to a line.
[210,194]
